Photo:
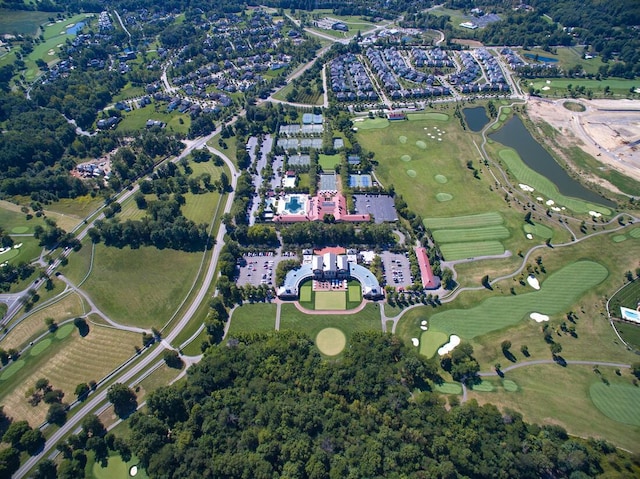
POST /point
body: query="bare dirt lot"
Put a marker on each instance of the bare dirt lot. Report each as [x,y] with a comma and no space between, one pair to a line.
[608,130]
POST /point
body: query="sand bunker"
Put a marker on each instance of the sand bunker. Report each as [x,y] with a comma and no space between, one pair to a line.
[424,328]
[524,187]
[545,88]
[529,236]
[447,348]
[415,342]
[550,202]
[533,281]
[405,158]
[595,214]
[51,53]
[539,317]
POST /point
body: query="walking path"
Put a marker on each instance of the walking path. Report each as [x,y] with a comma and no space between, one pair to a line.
[331,311]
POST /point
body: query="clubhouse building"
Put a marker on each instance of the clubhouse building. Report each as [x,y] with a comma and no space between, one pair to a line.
[329,267]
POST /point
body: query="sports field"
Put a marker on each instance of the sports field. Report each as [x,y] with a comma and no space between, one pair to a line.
[543,186]
[557,293]
[617,401]
[331,300]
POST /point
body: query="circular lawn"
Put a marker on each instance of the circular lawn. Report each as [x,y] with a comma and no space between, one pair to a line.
[331,341]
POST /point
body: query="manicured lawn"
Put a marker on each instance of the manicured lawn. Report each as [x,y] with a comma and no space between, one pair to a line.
[543,186]
[331,341]
[117,469]
[328,162]
[311,324]
[617,401]
[630,333]
[558,292]
[371,124]
[427,116]
[472,249]
[629,297]
[492,218]
[331,300]
[471,234]
[141,286]
[306,291]
[449,388]
[354,295]
[253,318]
[539,230]
[558,86]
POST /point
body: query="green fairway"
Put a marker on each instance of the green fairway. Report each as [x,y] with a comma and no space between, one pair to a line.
[543,185]
[509,385]
[538,230]
[430,341]
[558,292]
[331,300]
[19,230]
[331,341]
[471,234]
[484,386]
[492,218]
[64,331]
[40,347]
[558,86]
[471,249]
[617,401]
[449,388]
[635,233]
[22,21]
[13,368]
[372,124]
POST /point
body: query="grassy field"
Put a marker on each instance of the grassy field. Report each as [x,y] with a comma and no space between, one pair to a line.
[538,398]
[66,362]
[455,251]
[330,300]
[253,318]
[140,287]
[543,185]
[486,233]
[22,21]
[371,123]
[415,172]
[567,57]
[492,218]
[136,119]
[557,87]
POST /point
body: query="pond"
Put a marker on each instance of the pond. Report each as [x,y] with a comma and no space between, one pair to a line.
[515,135]
[540,58]
[476,118]
[75,28]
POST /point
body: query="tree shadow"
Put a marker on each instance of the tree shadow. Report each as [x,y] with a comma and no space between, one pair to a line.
[560,361]
[509,355]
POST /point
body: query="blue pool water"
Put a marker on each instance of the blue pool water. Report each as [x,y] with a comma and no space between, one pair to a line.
[293,205]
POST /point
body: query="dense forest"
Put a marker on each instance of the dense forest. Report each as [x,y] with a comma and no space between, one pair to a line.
[268,406]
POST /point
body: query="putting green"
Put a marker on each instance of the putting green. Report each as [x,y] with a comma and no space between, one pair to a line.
[430,341]
[539,230]
[64,331]
[484,386]
[469,221]
[402,139]
[19,230]
[372,123]
[503,117]
[428,116]
[441,179]
[561,290]
[619,238]
[421,144]
[617,401]
[635,233]
[41,346]
[12,369]
[509,385]
[118,469]
[405,158]
[506,110]
[412,173]
[449,388]
[331,341]
[441,197]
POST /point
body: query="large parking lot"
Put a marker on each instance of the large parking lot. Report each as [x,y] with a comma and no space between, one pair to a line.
[260,268]
[397,269]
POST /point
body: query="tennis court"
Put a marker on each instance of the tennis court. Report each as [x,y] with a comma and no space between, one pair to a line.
[360,181]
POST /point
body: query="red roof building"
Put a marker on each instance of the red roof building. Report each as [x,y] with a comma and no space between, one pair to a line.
[429,280]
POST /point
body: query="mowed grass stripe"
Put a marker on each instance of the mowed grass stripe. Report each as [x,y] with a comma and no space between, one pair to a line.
[617,401]
[492,218]
[471,249]
[471,234]
[558,292]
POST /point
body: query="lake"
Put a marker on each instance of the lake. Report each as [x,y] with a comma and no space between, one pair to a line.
[540,58]
[476,118]
[75,29]
[515,135]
